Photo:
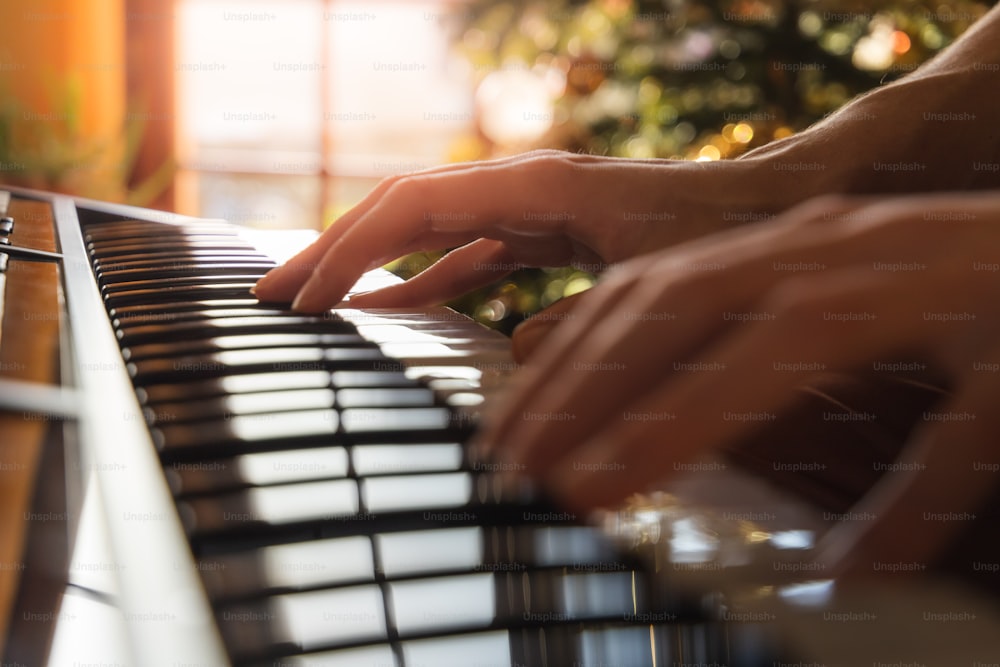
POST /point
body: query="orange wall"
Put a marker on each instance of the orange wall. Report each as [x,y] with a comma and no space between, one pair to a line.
[48,43]
[45,40]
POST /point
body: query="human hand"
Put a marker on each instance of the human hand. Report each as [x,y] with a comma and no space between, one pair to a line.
[530,334]
[546,208]
[639,379]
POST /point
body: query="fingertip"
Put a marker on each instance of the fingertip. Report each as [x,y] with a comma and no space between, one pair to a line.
[307,300]
[527,337]
[362,300]
[264,283]
[277,285]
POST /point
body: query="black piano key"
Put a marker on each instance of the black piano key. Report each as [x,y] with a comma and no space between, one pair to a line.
[133,228]
[121,256]
[174,271]
[178,257]
[161,312]
[125,262]
[227,407]
[243,342]
[258,469]
[153,233]
[192,328]
[233,362]
[171,294]
[6,225]
[131,317]
[245,433]
[186,281]
[232,385]
[259,508]
[104,250]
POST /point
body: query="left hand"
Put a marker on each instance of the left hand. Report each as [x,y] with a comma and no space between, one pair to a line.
[639,378]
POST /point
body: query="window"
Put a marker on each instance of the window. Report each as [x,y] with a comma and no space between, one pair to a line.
[289,112]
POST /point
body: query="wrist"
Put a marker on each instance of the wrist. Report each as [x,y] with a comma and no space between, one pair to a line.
[711,197]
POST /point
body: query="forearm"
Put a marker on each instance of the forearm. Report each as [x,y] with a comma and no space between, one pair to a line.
[937,129]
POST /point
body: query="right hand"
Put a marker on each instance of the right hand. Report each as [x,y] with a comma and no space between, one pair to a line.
[530,334]
[546,208]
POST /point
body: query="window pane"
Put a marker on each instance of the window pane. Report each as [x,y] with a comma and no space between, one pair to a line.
[399,96]
[263,201]
[249,81]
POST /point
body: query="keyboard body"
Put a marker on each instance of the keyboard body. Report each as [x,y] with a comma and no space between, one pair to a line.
[240,484]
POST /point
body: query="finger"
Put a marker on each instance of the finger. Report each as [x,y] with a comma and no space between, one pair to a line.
[943,479]
[763,369]
[757,369]
[667,308]
[474,265]
[557,350]
[283,282]
[468,204]
[529,334]
[698,285]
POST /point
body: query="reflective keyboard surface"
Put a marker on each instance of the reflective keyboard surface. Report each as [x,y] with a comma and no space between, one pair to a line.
[327,497]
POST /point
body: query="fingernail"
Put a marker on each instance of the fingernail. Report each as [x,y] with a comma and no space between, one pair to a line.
[353,299]
[305,295]
[265,279]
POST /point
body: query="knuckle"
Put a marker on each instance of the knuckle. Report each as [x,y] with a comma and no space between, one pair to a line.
[546,154]
[548,161]
[321,270]
[388,182]
[824,209]
[410,189]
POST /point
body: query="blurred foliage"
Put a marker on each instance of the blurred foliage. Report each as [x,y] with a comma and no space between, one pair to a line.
[51,152]
[684,79]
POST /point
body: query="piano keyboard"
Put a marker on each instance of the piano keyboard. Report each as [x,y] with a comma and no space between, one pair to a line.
[255,486]
[332,511]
